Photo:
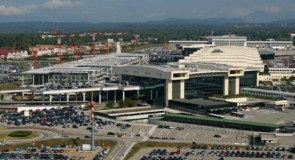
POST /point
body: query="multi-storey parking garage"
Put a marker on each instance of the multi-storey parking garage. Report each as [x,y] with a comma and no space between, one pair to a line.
[225,123]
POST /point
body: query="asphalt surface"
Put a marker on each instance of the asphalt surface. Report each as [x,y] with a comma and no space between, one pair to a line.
[136,133]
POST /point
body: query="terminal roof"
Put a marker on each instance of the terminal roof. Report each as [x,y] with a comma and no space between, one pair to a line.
[89,64]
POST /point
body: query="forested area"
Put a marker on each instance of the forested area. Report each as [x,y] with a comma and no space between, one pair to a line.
[154,33]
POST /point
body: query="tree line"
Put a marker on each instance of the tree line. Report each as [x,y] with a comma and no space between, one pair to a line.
[154,34]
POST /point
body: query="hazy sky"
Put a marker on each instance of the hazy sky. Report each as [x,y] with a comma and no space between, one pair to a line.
[137,10]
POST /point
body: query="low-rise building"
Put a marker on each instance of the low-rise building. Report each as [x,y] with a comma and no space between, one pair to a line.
[12,53]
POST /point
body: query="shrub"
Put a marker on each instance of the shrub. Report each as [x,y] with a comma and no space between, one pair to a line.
[133,103]
[110,104]
[20,133]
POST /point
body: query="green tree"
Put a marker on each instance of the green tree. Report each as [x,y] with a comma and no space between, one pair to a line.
[110,104]
[122,104]
[127,101]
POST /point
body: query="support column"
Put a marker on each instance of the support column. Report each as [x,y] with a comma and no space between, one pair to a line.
[99,97]
[151,94]
[237,86]
[42,97]
[156,93]
[115,97]
[33,96]
[1,97]
[182,89]
[168,91]
[92,96]
[43,79]
[23,80]
[225,86]
[137,93]
[50,98]
[76,94]
[84,96]
[68,97]
[107,95]
[33,79]
[123,95]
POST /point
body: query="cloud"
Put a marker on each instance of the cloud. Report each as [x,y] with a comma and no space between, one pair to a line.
[16,10]
[53,4]
[274,9]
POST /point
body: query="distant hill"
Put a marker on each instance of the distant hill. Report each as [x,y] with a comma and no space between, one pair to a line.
[208,21]
[74,27]
[268,17]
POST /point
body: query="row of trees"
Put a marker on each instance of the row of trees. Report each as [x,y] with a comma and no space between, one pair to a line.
[156,34]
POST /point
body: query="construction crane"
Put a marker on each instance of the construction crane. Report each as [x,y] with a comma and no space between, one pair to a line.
[58,37]
[76,50]
[92,34]
[34,55]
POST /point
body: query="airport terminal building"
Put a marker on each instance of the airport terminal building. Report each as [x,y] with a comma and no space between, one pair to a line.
[210,71]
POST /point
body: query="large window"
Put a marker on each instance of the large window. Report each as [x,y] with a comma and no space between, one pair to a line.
[148,84]
[203,87]
[249,79]
[142,81]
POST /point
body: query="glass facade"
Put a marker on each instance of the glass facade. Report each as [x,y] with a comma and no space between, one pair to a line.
[58,78]
[142,81]
[249,79]
[203,87]
[148,84]
[229,43]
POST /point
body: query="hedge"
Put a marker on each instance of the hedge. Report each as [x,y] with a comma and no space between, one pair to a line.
[20,133]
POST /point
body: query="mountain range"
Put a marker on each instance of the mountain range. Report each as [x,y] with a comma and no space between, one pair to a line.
[261,18]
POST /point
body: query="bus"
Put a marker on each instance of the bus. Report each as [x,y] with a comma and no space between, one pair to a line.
[216,116]
[280,108]
[238,114]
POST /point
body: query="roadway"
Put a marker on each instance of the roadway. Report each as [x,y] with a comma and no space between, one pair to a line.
[44,134]
[125,144]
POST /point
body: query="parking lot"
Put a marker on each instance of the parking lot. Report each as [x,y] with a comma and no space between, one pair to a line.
[197,135]
[269,116]
[119,130]
[73,121]
[212,153]
[53,152]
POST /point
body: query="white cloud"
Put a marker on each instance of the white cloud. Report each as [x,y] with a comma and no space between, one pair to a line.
[16,10]
[53,4]
[274,9]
